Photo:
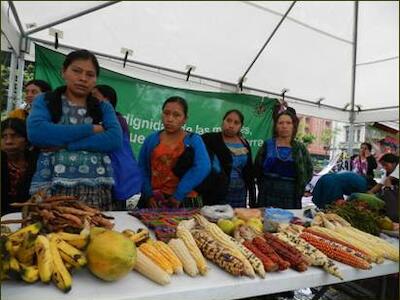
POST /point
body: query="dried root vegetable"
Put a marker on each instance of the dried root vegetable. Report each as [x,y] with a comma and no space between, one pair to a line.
[61,213]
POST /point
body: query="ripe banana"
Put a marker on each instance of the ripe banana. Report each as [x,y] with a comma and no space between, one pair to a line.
[79,241]
[29,274]
[5,268]
[69,253]
[19,235]
[44,258]
[26,251]
[138,237]
[12,246]
[61,277]
[14,264]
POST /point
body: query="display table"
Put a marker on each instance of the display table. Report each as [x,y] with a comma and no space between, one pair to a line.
[216,285]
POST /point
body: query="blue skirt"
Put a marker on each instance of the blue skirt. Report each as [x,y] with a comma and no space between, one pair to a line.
[277,191]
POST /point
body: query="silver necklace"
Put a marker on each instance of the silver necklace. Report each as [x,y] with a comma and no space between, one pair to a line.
[279,157]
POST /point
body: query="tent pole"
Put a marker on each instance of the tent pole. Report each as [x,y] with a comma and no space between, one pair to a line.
[269,39]
[20,80]
[11,82]
[74,16]
[16,17]
[380,108]
[353,81]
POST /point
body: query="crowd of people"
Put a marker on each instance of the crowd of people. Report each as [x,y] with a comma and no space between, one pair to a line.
[71,141]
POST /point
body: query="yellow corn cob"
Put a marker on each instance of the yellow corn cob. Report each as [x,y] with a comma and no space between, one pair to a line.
[151,252]
[167,252]
[151,270]
[180,249]
[377,253]
[225,241]
[372,255]
[184,234]
[389,251]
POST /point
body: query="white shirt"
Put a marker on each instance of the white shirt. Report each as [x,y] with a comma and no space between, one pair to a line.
[394,174]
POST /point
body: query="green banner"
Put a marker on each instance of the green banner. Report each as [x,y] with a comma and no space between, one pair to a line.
[140,102]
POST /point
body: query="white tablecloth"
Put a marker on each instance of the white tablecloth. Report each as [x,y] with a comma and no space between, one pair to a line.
[216,285]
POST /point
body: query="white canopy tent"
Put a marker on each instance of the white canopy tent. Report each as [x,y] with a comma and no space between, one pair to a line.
[306,47]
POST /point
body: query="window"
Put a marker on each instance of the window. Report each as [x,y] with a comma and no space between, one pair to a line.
[347,132]
[358,135]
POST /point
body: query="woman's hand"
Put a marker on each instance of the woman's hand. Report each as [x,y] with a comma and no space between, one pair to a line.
[98,128]
[173,203]
[152,203]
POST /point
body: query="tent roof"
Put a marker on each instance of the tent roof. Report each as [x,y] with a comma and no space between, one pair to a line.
[310,53]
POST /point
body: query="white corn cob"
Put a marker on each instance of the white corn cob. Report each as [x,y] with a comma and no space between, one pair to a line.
[188,262]
[151,270]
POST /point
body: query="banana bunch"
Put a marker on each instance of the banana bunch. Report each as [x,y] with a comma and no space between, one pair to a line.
[138,237]
[32,256]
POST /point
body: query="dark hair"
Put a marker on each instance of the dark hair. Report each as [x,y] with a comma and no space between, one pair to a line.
[389,158]
[177,99]
[236,111]
[16,124]
[54,100]
[292,116]
[41,84]
[81,55]
[109,93]
[369,146]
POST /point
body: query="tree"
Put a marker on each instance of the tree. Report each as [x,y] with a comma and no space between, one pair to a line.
[326,137]
[303,135]
[29,73]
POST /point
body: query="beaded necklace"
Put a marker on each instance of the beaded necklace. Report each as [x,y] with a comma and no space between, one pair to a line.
[289,157]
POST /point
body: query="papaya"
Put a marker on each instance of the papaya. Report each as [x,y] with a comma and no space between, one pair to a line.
[110,254]
[372,201]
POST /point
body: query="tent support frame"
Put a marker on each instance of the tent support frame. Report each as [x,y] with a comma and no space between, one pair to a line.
[16,17]
[266,42]
[353,81]
[11,82]
[74,16]
[24,36]
[230,84]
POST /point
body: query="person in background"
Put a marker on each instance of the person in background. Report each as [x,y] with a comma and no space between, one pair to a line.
[364,164]
[230,154]
[18,164]
[159,155]
[390,162]
[126,173]
[75,132]
[332,187]
[388,187]
[283,165]
[32,89]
